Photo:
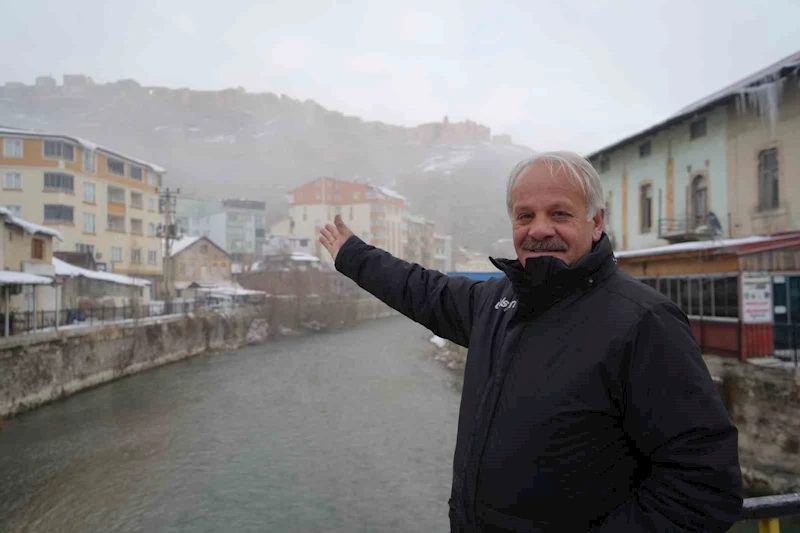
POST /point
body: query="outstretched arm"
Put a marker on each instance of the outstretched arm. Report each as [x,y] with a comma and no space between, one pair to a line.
[440,303]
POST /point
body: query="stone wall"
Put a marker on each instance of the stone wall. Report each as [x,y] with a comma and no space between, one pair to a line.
[764,404]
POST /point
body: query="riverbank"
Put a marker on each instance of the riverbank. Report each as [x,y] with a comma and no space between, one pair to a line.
[40,368]
[763,402]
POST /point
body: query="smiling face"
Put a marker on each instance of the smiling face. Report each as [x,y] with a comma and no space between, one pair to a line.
[550,216]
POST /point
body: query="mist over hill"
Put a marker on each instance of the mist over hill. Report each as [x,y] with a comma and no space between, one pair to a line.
[234,143]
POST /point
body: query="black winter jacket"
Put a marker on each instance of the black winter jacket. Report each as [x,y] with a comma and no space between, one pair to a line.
[586,403]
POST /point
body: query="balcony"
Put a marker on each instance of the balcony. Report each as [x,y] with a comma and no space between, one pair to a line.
[686,229]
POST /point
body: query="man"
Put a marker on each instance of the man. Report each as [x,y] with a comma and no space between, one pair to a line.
[586,403]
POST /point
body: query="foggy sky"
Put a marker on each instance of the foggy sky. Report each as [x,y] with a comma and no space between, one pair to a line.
[562,74]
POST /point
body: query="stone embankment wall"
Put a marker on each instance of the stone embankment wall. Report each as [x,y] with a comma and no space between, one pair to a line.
[763,402]
[38,368]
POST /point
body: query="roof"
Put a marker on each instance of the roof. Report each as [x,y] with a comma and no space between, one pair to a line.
[765,75]
[181,244]
[28,227]
[64,269]
[9,277]
[89,145]
[385,191]
[698,246]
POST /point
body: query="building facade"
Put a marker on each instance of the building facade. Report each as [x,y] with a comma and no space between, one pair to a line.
[25,248]
[101,201]
[375,214]
[237,225]
[198,260]
[720,167]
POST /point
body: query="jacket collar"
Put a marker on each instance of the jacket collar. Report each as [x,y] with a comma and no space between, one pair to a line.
[548,276]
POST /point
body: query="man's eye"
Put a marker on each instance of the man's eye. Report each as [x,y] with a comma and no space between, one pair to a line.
[561,214]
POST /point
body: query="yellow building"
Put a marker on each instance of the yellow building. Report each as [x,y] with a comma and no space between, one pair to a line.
[100,200]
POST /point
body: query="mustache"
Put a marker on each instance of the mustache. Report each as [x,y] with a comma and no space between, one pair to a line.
[549,245]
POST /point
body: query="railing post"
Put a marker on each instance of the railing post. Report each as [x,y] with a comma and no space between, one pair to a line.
[770,525]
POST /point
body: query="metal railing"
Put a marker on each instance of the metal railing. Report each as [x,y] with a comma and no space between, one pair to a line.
[768,510]
[22,322]
[688,225]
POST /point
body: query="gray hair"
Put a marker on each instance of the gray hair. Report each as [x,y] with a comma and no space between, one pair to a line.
[577,167]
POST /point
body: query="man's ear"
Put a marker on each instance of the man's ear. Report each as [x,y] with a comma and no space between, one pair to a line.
[599,223]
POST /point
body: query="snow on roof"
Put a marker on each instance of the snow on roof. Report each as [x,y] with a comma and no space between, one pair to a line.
[65,269]
[694,246]
[182,244]
[388,192]
[299,256]
[89,145]
[765,75]
[28,227]
[415,219]
[8,277]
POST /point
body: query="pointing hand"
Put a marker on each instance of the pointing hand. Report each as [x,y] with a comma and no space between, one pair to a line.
[333,236]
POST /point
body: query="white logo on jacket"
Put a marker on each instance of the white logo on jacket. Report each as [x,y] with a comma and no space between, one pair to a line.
[505,305]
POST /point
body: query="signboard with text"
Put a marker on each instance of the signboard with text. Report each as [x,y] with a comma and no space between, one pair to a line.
[756,299]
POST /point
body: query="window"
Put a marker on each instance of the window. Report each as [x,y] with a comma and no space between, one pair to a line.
[151,204]
[116,253]
[694,298]
[646,208]
[151,229]
[116,195]
[136,255]
[56,181]
[85,248]
[59,150]
[726,297]
[214,269]
[152,257]
[89,192]
[115,166]
[15,210]
[89,161]
[58,213]
[697,128]
[605,164]
[137,200]
[37,248]
[351,213]
[88,223]
[116,223]
[12,148]
[357,195]
[645,149]
[151,179]
[13,180]
[303,242]
[183,269]
[768,179]
[137,226]
[136,173]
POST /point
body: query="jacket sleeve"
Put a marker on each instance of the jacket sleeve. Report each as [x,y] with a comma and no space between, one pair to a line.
[675,417]
[440,303]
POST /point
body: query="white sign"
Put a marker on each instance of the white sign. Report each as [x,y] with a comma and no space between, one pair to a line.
[756,298]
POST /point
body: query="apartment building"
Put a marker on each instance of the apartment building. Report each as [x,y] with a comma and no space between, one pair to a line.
[238,225]
[100,200]
[375,214]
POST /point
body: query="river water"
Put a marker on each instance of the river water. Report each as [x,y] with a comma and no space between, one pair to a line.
[350,431]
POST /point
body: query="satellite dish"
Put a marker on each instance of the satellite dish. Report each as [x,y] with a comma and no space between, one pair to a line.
[713,222]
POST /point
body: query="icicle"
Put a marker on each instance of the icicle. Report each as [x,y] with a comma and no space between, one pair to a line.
[764,99]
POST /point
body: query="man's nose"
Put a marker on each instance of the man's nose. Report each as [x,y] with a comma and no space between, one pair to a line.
[541,229]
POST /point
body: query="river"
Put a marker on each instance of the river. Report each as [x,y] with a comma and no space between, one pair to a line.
[348,431]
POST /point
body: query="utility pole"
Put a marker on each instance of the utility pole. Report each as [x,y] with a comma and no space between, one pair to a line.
[169,230]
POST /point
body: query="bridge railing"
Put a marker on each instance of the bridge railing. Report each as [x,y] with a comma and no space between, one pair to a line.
[768,510]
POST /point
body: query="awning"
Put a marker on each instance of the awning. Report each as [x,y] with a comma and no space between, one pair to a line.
[8,277]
